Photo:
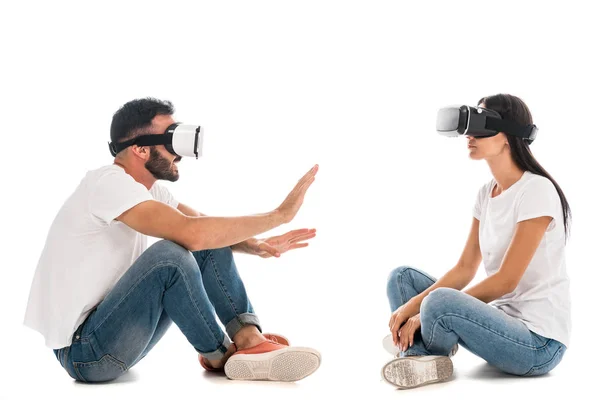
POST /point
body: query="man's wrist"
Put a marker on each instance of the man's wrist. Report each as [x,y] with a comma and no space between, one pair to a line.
[243,247]
[277,217]
[240,247]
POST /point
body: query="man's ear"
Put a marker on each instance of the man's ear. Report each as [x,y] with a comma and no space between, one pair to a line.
[141,151]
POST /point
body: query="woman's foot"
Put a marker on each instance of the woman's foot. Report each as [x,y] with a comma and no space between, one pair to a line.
[274,362]
[413,371]
[390,347]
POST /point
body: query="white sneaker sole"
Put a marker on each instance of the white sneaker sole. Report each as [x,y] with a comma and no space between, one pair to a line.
[285,365]
[411,372]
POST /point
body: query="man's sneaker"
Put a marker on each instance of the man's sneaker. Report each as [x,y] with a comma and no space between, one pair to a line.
[269,336]
[277,338]
[390,347]
[413,371]
[274,362]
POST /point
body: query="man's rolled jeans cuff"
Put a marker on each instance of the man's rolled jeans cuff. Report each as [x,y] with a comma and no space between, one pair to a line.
[234,326]
[220,352]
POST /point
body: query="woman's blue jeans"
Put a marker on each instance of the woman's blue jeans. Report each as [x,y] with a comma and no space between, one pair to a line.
[449,316]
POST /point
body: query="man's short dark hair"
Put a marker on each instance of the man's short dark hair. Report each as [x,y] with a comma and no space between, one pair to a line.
[134,117]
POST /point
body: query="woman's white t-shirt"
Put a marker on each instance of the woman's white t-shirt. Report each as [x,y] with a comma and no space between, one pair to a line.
[541,300]
[86,252]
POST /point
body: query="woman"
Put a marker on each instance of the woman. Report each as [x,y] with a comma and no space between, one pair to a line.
[519,229]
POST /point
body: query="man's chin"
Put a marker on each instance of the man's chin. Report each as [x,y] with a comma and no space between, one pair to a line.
[170,178]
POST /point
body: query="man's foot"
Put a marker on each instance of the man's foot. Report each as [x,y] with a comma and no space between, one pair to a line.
[219,365]
[274,362]
[390,347]
[277,338]
[413,371]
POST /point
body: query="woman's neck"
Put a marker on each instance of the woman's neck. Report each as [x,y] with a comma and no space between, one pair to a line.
[505,172]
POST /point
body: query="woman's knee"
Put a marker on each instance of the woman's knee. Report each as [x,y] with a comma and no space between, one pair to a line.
[440,301]
[396,275]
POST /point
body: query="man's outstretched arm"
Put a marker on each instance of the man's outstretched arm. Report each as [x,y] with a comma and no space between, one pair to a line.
[157,219]
[189,211]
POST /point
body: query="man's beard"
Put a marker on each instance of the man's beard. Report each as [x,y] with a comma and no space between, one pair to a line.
[160,167]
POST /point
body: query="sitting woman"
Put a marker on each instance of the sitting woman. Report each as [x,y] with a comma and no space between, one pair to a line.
[518,318]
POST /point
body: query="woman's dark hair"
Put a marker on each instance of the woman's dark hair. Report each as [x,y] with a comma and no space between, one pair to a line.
[514,109]
[135,116]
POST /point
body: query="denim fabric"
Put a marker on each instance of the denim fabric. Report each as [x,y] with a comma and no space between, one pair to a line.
[449,316]
[167,283]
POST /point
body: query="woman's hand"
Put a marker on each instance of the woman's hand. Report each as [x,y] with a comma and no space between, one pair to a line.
[407,333]
[399,317]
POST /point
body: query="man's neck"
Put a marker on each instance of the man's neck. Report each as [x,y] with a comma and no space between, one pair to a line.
[141,175]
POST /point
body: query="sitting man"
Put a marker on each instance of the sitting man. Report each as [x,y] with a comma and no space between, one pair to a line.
[102,300]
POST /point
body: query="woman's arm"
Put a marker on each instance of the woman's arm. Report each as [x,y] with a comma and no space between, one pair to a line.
[524,243]
[458,277]
[461,274]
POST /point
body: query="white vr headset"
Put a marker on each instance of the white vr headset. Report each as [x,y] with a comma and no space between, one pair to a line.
[179,140]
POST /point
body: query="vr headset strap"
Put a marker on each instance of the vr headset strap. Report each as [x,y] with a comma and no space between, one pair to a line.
[144,140]
[510,127]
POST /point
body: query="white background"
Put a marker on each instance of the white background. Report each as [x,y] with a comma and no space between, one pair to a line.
[280,86]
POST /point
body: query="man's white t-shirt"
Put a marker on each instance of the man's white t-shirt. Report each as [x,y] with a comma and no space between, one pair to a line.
[542,299]
[86,252]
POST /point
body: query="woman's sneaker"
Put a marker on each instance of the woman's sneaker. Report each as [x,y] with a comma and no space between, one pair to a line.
[274,362]
[390,347]
[413,371]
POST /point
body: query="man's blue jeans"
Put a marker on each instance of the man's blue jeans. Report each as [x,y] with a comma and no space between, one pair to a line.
[167,283]
[449,316]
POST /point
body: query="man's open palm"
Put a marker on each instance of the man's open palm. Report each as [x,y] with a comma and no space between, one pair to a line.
[277,245]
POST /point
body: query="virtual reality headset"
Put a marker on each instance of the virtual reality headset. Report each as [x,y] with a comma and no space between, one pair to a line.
[480,123]
[179,140]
